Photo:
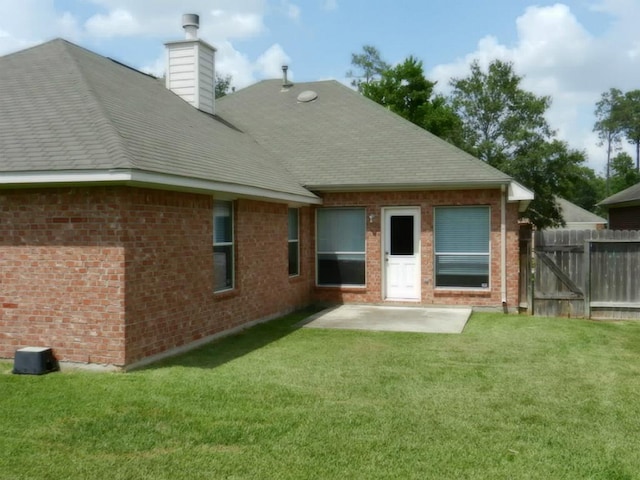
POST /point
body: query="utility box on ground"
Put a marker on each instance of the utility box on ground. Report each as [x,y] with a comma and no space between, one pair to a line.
[34,361]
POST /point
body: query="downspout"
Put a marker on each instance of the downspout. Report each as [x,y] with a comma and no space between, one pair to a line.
[503,247]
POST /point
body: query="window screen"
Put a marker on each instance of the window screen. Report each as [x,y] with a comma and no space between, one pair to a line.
[341,246]
[223,245]
[294,242]
[462,246]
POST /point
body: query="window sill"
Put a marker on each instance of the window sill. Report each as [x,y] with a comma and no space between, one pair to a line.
[341,288]
[225,294]
[462,292]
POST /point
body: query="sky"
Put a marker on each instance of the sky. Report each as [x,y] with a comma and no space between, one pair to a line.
[572,51]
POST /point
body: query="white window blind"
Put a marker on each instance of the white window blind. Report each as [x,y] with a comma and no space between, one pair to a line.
[462,251]
[341,247]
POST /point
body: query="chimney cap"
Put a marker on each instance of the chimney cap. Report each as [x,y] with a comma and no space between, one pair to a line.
[191,23]
[190,20]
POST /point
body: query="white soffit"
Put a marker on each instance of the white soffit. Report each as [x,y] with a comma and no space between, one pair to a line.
[519,193]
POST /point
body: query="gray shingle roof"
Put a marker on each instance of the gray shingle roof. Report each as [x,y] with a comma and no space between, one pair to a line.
[630,196]
[343,139]
[573,213]
[65,108]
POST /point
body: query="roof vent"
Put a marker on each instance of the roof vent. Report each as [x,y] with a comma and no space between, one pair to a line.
[285,79]
[191,23]
[307,96]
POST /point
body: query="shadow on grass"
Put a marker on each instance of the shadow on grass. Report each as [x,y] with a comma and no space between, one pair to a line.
[228,348]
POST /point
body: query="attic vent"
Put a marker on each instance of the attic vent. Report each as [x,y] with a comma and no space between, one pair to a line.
[307,96]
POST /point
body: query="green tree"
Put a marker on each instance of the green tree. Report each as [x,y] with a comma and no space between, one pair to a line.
[608,126]
[630,121]
[498,116]
[441,120]
[623,173]
[584,187]
[369,65]
[223,85]
[505,126]
[405,90]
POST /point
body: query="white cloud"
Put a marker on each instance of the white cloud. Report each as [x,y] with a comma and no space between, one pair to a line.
[269,64]
[229,61]
[114,22]
[551,37]
[559,57]
[238,19]
[290,10]
[293,11]
[330,4]
[68,27]
[117,22]
[30,22]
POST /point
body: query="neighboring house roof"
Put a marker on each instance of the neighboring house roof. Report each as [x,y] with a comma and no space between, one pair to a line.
[627,197]
[575,216]
[342,140]
[68,113]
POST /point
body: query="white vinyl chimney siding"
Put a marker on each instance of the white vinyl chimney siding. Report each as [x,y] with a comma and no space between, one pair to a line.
[191,73]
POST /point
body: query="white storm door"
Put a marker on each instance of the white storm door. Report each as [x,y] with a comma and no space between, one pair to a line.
[402,253]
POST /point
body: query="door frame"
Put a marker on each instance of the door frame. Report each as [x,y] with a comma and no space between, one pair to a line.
[416,212]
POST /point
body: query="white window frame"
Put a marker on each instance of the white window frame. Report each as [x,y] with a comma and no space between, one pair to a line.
[225,244]
[291,241]
[436,253]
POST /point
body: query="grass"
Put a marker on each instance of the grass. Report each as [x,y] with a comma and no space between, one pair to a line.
[512,397]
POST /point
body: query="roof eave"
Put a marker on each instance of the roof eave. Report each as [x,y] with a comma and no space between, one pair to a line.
[620,204]
[154,180]
[388,187]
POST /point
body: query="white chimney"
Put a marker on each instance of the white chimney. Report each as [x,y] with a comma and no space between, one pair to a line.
[191,67]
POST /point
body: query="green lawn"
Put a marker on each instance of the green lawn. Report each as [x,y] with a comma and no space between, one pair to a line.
[512,397]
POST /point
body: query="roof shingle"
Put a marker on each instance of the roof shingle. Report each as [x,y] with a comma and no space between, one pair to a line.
[629,196]
[343,139]
[65,108]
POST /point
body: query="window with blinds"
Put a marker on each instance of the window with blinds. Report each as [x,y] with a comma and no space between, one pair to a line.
[462,247]
[223,245]
[294,242]
[341,246]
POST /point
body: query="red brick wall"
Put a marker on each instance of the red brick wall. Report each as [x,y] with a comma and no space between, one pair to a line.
[115,275]
[427,200]
[62,270]
[170,299]
[90,270]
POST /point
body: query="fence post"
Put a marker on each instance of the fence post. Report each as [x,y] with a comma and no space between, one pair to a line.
[587,278]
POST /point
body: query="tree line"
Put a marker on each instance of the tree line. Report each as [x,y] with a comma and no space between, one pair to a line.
[489,115]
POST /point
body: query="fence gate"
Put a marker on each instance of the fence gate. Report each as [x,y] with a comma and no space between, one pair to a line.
[587,273]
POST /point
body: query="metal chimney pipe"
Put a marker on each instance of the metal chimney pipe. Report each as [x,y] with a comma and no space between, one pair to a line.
[285,82]
[191,23]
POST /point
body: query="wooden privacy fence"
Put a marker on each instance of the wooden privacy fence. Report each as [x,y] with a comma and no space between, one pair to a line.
[585,273]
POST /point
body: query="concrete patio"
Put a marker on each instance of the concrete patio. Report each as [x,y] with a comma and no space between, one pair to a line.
[391,319]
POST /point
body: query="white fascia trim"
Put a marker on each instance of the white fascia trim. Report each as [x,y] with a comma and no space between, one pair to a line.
[521,194]
[153,180]
[404,187]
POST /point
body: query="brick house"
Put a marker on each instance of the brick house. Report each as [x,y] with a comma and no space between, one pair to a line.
[624,209]
[135,224]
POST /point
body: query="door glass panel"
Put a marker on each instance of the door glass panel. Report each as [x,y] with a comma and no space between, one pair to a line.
[402,235]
